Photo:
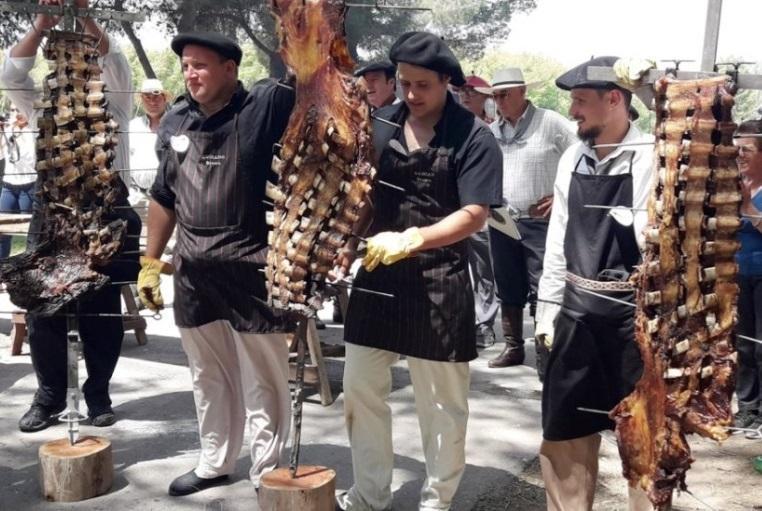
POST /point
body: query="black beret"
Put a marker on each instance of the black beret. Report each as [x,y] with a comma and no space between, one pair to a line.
[576,78]
[429,51]
[217,42]
[380,65]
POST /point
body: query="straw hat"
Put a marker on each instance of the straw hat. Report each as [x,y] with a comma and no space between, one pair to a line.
[507,78]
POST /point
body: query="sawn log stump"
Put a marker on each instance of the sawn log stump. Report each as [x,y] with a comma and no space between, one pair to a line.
[313,489]
[70,473]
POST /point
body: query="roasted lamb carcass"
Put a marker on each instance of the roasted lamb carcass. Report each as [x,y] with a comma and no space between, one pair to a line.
[324,170]
[686,302]
[76,186]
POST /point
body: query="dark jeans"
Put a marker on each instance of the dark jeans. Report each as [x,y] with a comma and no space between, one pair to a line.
[14,199]
[749,375]
[101,342]
[518,263]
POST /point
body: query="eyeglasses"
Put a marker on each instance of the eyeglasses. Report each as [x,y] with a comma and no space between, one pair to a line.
[468,91]
[501,95]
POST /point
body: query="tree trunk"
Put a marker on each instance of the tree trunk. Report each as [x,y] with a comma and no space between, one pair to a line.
[139,50]
[313,489]
[70,473]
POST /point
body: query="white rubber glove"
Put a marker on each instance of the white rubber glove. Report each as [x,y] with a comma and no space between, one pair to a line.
[630,72]
[546,317]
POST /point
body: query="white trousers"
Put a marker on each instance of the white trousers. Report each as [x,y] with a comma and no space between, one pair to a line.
[240,380]
[441,400]
[570,471]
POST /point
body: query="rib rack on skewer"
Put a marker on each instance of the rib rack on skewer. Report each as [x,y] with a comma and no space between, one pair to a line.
[686,303]
[75,184]
[324,167]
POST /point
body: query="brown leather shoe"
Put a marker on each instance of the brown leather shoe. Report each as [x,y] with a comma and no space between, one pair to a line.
[510,356]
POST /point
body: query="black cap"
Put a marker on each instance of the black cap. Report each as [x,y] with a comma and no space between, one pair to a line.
[379,65]
[576,78]
[217,42]
[429,51]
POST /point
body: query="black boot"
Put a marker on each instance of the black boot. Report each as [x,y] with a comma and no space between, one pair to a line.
[191,483]
[513,353]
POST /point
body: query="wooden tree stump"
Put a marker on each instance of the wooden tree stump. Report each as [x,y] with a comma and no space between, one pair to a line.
[313,489]
[70,473]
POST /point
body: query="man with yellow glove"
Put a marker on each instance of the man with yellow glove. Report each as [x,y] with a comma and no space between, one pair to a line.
[215,148]
[149,281]
[449,165]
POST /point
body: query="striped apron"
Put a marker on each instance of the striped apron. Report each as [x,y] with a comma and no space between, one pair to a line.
[221,236]
[432,313]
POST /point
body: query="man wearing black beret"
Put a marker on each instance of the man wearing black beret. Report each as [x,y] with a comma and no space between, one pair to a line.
[450,168]
[380,82]
[215,151]
[594,361]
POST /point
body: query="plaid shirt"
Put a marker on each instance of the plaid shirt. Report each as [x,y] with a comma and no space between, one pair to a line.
[530,160]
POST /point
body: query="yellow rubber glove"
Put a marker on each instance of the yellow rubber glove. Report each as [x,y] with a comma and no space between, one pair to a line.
[390,247]
[149,282]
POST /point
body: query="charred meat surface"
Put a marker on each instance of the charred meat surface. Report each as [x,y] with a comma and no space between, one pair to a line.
[76,186]
[686,302]
[324,167]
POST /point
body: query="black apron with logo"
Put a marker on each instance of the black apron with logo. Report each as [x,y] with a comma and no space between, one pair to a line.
[595,361]
[221,236]
[432,313]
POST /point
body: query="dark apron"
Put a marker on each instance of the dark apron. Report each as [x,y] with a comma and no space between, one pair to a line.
[432,313]
[595,361]
[221,236]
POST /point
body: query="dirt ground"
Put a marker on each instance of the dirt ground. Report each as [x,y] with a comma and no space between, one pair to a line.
[722,478]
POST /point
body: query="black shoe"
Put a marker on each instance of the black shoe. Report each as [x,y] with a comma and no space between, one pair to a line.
[757,426]
[38,417]
[191,483]
[745,418]
[319,323]
[104,419]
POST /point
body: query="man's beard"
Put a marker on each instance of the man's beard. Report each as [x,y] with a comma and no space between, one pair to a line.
[589,135]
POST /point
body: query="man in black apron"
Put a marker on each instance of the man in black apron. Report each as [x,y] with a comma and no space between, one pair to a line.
[594,361]
[449,165]
[215,151]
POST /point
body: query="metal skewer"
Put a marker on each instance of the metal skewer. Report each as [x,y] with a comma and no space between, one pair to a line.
[622,144]
[596,206]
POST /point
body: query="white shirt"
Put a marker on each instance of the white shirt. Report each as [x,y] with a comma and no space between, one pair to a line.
[21,157]
[142,153]
[116,75]
[530,162]
[553,279]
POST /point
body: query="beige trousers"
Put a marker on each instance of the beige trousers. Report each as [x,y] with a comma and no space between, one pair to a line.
[570,472]
[441,401]
[240,381]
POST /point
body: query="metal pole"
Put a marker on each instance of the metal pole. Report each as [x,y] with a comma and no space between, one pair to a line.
[71,414]
[300,338]
[711,34]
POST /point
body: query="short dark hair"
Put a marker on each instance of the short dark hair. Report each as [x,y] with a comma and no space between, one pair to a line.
[627,95]
[751,127]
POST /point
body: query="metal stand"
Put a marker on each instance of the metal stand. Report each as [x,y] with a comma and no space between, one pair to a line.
[300,338]
[71,414]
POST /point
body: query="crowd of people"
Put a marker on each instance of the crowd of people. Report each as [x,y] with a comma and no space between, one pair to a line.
[459,146]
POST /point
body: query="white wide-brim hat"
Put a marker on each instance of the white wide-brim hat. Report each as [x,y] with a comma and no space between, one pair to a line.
[507,79]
